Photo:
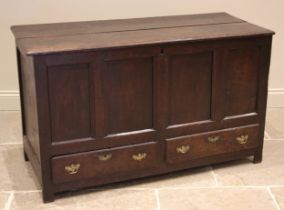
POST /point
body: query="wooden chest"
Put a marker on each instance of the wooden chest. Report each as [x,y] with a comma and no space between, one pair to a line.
[107,101]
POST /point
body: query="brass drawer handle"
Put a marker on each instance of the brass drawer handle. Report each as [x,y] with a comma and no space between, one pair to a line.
[213,139]
[139,156]
[105,157]
[73,168]
[183,149]
[243,139]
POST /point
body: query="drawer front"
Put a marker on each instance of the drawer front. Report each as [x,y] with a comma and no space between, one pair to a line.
[212,143]
[101,163]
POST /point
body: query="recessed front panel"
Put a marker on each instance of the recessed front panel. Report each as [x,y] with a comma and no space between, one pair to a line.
[190,87]
[241,81]
[128,94]
[69,101]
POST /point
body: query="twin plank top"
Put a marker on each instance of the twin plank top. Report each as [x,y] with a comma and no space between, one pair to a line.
[102,34]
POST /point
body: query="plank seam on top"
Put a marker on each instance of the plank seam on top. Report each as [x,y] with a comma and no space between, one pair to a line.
[45,47]
[142,29]
[19,34]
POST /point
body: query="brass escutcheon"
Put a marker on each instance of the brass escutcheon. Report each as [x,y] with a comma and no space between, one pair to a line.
[243,139]
[183,149]
[105,157]
[73,168]
[213,139]
[139,156]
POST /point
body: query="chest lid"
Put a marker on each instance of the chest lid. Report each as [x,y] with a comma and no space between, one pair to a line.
[102,34]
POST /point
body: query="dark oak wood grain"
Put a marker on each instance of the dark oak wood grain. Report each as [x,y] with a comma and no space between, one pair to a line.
[107,26]
[211,143]
[128,90]
[91,35]
[73,82]
[190,72]
[242,80]
[107,101]
[107,162]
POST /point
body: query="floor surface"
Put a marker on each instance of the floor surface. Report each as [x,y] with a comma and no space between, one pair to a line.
[236,185]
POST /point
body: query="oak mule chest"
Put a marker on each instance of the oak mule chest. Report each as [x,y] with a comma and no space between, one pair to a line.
[114,100]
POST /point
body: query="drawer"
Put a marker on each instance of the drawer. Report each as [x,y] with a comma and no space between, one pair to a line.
[211,143]
[101,163]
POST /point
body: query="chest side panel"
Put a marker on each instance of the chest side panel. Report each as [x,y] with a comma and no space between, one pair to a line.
[29,100]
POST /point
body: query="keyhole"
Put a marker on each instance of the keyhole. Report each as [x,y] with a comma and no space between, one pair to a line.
[162,51]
